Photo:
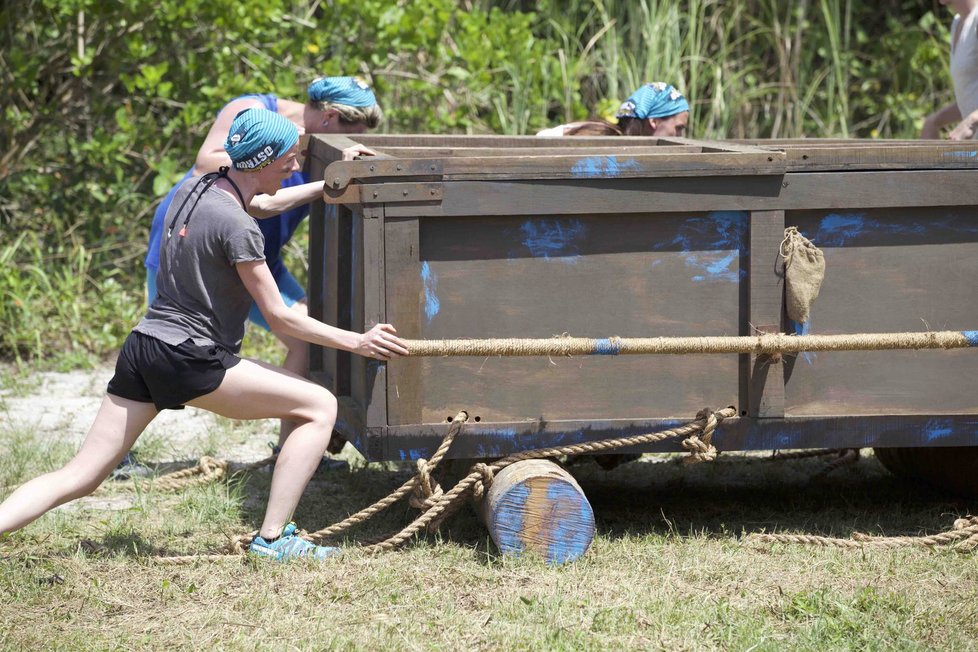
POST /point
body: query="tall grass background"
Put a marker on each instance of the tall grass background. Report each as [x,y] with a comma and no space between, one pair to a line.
[101,118]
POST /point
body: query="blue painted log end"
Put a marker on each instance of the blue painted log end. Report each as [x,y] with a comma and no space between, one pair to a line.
[544,515]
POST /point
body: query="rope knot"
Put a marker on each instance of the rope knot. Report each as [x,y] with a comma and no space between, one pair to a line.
[238,544]
[426,491]
[481,485]
[701,447]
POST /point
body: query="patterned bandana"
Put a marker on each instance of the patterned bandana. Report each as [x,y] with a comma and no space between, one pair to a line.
[655,100]
[351,91]
[257,137]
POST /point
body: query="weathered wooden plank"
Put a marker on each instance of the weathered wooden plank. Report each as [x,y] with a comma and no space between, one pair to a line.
[677,274]
[766,388]
[487,440]
[575,166]
[892,270]
[916,157]
[823,190]
[340,290]
[609,149]
[535,507]
[426,140]
[317,271]
[405,273]
[369,377]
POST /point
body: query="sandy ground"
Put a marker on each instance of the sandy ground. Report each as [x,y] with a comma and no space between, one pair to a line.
[64,405]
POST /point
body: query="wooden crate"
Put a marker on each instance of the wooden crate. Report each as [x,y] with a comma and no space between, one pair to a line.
[492,236]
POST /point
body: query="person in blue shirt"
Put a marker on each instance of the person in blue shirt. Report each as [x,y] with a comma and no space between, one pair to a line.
[344,105]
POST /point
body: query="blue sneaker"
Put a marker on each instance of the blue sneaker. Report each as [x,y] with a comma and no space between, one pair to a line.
[130,468]
[290,545]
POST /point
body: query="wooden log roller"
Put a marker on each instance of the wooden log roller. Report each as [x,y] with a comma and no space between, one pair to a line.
[536,507]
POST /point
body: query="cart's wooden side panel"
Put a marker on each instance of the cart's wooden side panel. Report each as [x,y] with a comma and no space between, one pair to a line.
[889,270]
[503,253]
[659,274]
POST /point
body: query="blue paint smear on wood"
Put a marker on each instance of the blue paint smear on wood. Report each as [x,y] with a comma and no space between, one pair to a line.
[430,283]
[557,239]
[840,229]
[804,329]
[712,245]
[594,167]
[937,429]
[507,521]
[972,154]
[570,537]
[413,454]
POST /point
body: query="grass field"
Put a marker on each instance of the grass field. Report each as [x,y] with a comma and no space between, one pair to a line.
[669,568]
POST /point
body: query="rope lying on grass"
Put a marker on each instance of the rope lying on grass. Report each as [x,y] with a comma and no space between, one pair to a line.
[208,469]
[439,505]
[963,536]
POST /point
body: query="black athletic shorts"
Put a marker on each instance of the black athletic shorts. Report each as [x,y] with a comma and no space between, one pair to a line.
[151,371]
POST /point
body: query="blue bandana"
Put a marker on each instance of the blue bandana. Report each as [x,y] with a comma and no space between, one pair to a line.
[257,137]
[655,100]
[351,91]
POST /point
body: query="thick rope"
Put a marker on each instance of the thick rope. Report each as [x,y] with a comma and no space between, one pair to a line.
[963,536]
[207,470]
[766,343]
[440,505]
[481,474]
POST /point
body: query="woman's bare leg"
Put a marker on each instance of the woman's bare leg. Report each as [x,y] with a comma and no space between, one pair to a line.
[296,361]
[256,390]
[118,424]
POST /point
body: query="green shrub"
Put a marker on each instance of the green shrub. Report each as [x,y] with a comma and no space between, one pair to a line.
[105,103]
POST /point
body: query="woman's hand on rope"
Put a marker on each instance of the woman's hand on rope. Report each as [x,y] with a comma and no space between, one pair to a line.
[381,343]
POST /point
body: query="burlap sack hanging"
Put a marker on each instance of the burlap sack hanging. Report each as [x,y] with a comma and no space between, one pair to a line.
[804,269]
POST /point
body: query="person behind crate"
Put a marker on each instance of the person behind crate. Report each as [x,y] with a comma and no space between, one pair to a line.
[344,105]
[184,351]
[655,109]
[963,111]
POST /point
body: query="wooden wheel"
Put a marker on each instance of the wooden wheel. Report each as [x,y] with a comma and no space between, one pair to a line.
[953,468]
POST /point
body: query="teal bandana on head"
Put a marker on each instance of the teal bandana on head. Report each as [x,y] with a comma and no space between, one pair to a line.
[655,100]
[351,91]
[257,137]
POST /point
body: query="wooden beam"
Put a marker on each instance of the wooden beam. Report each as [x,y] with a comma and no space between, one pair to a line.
[766,385]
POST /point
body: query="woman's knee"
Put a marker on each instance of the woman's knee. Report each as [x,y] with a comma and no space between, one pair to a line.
[80,482]
[321,407]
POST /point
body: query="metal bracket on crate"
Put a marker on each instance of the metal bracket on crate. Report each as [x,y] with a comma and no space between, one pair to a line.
[341,174]
[386,193]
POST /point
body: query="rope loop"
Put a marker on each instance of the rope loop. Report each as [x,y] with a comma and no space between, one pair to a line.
[426,491]
[437,505]
[701,446]
[208,470]
[480,487]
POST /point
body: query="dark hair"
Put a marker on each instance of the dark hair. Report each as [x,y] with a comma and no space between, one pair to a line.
[594,128]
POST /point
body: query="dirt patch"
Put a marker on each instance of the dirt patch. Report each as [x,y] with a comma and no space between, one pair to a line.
[62,406]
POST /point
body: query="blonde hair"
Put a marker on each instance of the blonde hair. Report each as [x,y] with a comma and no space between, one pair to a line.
[368,115]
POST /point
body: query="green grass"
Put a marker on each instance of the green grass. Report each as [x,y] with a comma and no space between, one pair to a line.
[669,568]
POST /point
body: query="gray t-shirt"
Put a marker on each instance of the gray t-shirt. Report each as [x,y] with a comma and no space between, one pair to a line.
[199,293]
